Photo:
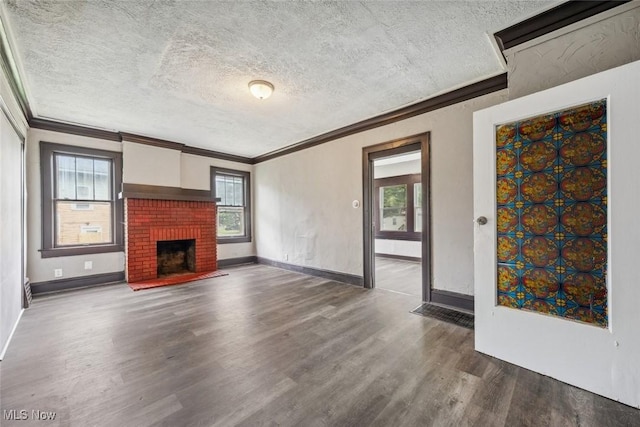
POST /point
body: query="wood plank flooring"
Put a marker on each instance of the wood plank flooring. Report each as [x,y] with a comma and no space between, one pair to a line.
[399,276]
[265,346]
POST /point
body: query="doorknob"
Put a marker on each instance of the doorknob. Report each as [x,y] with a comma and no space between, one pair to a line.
[481,220]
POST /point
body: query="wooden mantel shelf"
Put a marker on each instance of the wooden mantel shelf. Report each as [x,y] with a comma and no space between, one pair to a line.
[158,192]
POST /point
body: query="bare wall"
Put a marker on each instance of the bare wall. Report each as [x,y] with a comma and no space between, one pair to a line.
[303,200]
[607,40]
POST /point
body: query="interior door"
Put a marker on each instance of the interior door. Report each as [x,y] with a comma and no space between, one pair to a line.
[598,352]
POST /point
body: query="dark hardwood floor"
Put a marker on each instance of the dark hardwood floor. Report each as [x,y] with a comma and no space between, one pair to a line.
[265,346]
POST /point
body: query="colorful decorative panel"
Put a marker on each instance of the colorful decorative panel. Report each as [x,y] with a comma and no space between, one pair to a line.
[552,213]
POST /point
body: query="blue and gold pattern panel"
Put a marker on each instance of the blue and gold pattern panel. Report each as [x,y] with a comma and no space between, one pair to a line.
[552,213]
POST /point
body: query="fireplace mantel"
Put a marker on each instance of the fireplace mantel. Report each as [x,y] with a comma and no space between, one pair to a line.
[158,192]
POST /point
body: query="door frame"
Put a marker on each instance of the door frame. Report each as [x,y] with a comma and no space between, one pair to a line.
[420,142]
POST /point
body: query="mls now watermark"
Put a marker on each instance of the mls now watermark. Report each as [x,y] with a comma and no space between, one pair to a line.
[23,415]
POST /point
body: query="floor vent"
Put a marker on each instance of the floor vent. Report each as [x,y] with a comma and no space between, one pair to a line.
[446,315]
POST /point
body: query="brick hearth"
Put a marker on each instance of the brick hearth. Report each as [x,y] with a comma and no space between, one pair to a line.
[148,221]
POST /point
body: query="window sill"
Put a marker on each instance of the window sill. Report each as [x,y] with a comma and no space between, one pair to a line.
[241,239]
[79,250]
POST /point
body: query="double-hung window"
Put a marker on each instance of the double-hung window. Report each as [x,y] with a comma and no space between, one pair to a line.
[399,213]
[81,213]
[231,188]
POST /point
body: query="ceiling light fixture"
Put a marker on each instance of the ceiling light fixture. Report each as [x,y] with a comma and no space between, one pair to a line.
[261,89]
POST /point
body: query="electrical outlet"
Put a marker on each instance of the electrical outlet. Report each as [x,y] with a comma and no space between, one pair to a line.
[88,265]
[286,257]
[57,272]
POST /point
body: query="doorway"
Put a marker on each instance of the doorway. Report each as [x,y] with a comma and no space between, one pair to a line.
[396,216]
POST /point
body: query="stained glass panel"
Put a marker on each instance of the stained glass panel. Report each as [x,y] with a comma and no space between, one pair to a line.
[552,213]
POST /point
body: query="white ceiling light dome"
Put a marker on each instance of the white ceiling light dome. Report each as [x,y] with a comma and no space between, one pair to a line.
[261,89]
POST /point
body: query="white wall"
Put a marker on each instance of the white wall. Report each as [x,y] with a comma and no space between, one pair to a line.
[398,247]
[303,200]
[603,360]
[395,169]
[607,40]
[149,165]
[11,233]
[41,269]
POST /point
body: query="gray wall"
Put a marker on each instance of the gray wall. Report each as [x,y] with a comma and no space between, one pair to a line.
[604,41]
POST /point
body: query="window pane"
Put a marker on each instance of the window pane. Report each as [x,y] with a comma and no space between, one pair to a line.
[65,177]
[102,177]
[228,187]
[418,220]
[83,223]
[417,197]
[230,190]
[393,210]
[238,199]
[230,221]
[84,178]
[220,190]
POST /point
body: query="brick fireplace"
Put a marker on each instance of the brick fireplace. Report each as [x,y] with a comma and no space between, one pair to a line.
[149,221]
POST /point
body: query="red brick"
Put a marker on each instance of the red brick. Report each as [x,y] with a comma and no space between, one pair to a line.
[148,221]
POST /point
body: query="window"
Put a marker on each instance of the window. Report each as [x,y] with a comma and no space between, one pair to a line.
[81,213]
[399,213]
[231,188]
[393,208]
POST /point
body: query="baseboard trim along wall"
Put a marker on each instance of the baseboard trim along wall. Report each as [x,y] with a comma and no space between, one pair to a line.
[229,262]
[452,299]
[76,282]
[400,257]
[351,279]
[15,326]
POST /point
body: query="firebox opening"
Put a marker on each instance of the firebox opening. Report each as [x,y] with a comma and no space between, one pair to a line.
[176,257]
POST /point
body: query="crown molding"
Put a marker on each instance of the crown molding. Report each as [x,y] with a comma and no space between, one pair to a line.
[90,132]
[553,19]
[550,20]
[13,78]
[217,155]
[155,142]
[465,93]
[184,148]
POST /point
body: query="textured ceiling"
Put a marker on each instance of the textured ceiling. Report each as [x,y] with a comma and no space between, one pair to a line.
[178,70]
